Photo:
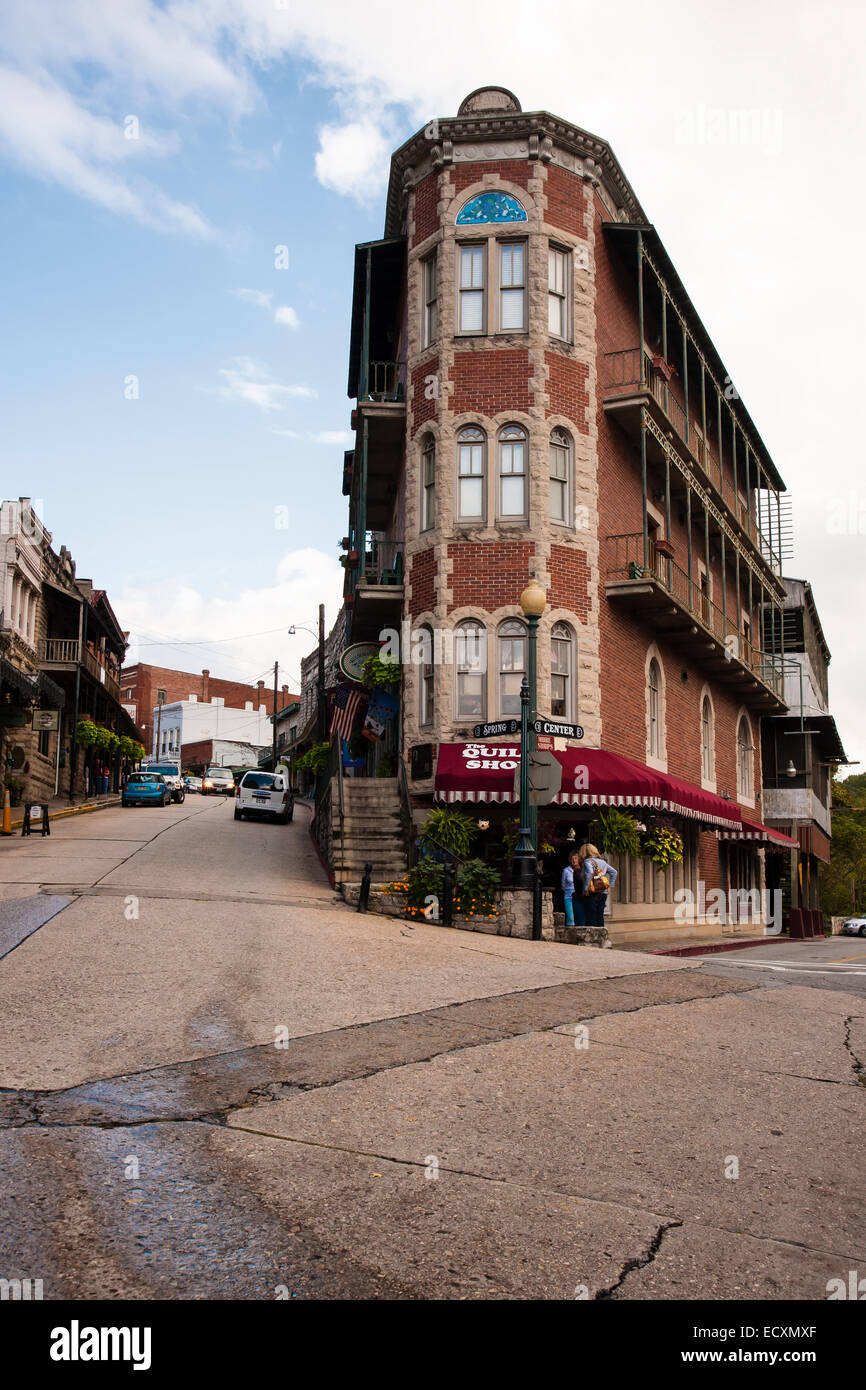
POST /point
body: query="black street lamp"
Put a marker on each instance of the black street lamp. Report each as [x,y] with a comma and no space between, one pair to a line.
[533,602]
[525,863]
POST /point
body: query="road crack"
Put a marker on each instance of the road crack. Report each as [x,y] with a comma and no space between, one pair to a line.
[640,1261]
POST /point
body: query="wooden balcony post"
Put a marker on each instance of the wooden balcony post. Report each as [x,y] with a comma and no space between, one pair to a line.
[689,536]
[724,588]
[707,553]
[668,510]
[686,381]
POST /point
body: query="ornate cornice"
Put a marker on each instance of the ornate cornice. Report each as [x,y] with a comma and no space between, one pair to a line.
[541,133]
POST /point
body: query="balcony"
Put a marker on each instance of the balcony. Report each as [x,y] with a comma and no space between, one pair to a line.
[382,412]
[683,613]
[62,654]
[624,391]
[377,591]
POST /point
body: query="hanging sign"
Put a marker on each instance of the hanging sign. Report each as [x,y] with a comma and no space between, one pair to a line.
[46,720]
[352,661]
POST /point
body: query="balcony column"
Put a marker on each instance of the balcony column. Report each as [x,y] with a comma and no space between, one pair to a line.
[689,536]
[665,339]
[668,514]
[736,482]
[737,586]
[724,587]
[686,381]
[707,551]
[643,486]
[640,310]
[749,491]
[705,459]
[751,616]
[361,536]
[779,527]
[719,437]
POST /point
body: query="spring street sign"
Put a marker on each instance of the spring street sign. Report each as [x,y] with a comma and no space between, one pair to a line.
[544,726]
[496,730]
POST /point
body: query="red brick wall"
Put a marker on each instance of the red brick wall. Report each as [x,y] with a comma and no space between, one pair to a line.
[567,388]
[423,409]
[426,198]
[486,382]
[488,574]
[709,867]
[422,577]
[569,580]
[566,200]
[509,170]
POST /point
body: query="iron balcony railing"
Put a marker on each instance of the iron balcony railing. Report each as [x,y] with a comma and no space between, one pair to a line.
[622,373]
[628,564]
[385,381]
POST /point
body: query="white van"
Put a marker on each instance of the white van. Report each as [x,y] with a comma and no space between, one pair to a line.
[264,794]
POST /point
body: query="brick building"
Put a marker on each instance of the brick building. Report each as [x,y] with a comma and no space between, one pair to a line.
[143,686]
[537,395]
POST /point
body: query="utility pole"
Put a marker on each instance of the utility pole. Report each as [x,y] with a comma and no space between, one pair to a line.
[159,701]
[274,717]
[323,725]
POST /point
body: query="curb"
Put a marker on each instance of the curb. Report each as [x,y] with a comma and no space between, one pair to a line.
[713,947]
[71,811]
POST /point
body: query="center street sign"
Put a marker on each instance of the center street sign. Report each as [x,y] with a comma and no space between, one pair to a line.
[543,726]
[502,726]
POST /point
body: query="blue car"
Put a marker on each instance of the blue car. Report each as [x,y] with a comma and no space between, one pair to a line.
[146,789]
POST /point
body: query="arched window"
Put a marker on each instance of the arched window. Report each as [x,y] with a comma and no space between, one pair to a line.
[654,699]
[470,665]
[707,758]
[745,765]
[512,666]
[512,471]
[470,473]
[560,477]
[428,483]
[562,696]
[425,678]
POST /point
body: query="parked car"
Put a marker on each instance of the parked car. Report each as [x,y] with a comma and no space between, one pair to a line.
[855,926]
[170,770]
[192,784]
[219,780]
[146,789]
[264,794]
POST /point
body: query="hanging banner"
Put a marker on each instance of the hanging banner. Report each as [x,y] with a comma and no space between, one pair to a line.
[382,708]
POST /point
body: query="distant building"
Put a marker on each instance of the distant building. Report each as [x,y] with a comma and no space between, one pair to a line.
[800,748]
[219,752]
[192,721]
[142,685]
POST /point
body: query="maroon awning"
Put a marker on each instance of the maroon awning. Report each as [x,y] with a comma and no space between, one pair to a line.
[590,777]
[760,834]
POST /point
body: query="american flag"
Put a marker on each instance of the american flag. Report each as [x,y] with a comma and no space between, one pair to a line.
[346,701]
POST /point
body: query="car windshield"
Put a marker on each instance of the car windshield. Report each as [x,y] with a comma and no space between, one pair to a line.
[215,773]
[262,780]
[144,777]
[165,769]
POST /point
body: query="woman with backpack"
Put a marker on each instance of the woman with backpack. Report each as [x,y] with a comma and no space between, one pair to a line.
[597,877]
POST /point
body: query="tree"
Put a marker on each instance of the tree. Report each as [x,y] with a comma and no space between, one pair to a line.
[843,880]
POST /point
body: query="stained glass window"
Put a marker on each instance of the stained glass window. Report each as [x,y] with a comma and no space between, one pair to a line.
[491,207]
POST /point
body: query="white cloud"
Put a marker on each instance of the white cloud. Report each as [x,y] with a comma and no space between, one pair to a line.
[288,434]
[285,314]
[353,159]
[176,612]
[260,298]
[249,382]
[332,437]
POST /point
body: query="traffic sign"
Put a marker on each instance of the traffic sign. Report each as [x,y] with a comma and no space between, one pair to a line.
[544,726]
[502,726]
[545,778]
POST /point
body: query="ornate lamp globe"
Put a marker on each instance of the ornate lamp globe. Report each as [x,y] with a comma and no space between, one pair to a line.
[533,600]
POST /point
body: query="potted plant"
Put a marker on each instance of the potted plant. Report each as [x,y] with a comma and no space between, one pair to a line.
[665,548]
[664,368]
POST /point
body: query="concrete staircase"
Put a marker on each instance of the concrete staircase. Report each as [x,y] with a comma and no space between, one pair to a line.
[372,831]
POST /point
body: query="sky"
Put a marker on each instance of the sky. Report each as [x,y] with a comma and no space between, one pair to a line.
[181,188]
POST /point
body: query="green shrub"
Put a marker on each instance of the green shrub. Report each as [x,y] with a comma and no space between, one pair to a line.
[425,878]
[477,883]
[379,674]
[315,759]
[663,845]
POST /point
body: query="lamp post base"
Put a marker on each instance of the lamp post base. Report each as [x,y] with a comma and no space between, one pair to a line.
[524,869]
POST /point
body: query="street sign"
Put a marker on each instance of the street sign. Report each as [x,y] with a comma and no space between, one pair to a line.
[545,778]
[502,726]
[544,726]
[46,720]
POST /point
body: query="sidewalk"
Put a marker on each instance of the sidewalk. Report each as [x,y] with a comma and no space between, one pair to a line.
[60,806]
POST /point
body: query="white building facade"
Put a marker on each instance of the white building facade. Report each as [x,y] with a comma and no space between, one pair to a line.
[193,721]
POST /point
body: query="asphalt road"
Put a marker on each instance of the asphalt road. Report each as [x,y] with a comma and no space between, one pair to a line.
[217,1081]
[836,962]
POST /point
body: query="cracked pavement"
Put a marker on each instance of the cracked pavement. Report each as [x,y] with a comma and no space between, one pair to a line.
[249,1091]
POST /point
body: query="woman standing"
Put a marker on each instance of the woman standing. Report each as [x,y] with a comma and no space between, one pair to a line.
[593,872]
[572,892]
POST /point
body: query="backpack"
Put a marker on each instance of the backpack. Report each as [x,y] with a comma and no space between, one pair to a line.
[599,882]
